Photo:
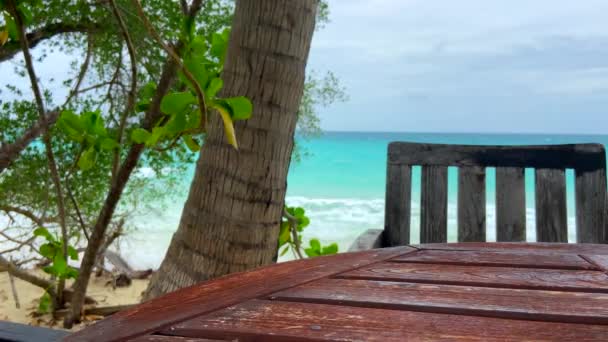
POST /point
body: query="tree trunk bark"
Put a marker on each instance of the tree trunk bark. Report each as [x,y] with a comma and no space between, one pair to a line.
[230,221]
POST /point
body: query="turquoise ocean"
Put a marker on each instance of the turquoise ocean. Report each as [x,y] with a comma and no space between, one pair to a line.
[340,181]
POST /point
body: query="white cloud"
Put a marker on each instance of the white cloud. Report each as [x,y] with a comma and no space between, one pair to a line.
[423,52]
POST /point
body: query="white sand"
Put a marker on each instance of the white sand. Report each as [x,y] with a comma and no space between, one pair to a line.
[29,295]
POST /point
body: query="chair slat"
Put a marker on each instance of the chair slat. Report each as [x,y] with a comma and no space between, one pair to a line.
[471,204]
[591,206]
[398,203]
[551,212]
[434,204]
[510,204]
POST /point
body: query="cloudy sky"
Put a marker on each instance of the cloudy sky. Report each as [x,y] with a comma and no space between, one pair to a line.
[467,65]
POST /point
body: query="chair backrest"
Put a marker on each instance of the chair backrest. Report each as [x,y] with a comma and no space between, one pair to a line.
[549,162]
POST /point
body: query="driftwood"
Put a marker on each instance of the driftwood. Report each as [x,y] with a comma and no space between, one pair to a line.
[34,280]
[99,311]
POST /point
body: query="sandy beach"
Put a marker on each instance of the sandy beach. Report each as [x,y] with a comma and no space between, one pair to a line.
[28,295]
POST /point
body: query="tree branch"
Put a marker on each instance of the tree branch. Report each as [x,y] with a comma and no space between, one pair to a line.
[132,92]
[152,115]
[9,50]
[47,138]
[9,152]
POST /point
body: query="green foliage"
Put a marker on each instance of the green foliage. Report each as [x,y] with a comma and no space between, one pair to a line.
[44,303]
[52,250]
[87,129]
[290,237]
[316,249]
[204,59]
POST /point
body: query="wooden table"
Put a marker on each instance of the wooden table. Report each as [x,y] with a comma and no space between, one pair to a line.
[474,291]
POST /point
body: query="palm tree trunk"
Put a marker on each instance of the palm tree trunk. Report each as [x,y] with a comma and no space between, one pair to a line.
[230,221]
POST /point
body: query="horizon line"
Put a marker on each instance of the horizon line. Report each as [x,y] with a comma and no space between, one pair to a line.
[472,132]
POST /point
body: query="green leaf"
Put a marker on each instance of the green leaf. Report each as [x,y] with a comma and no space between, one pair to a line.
[214,87]
[71,273]
[140,135]
[194,120]
[198,70]
[148,91]
[315,244]
[157,134]
[108,144]
[43,232]
[219,45]
[176,124]
[192,145]
[285,250]
[48,251]
[303,222]
[26,14]
[71,125]
[44,304]
[11,27]
[331,249]
[49,270]
[73,253]
[241,107]
[87,159]
[299,212]
[198,46]
[284,234]
[60,265]
[311,253]
[175,103]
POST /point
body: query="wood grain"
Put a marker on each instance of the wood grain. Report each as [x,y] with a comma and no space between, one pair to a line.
[551,211]
[259,320]
[591,206]
[501,277]
[471,204]
[166,338]
[579,156]
[510,204]
[225,291]
[398,203]
[567,248]
[434,204]
[479,301]
[600,261]
[498,258]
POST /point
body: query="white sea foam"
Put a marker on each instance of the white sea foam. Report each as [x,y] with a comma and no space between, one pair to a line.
[338,220]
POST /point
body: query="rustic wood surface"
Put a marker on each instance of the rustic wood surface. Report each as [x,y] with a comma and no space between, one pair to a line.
[471,204]
[462,291]
[398,199]
[285,321]
[434,204]
[551,211]
[549,163]
[510,204]
[591,206]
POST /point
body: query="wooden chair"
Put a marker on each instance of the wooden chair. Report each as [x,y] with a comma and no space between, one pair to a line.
[549,162]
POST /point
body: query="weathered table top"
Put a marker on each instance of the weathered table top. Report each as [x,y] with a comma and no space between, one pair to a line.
[482,291]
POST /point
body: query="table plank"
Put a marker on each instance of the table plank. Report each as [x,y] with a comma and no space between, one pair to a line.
[280,321]
[572,248]
[600,261]
[225,291]
[165,338]
[498,258]
[502,277]
[465,300]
